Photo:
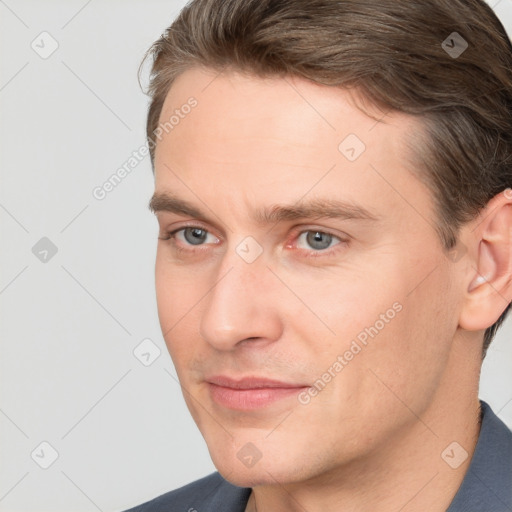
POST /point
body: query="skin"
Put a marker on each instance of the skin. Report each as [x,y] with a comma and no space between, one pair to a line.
[372,439]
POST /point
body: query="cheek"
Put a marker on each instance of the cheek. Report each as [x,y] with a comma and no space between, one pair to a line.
[347,302]
[176,294]
[389,320]
[176,290]
[406,360]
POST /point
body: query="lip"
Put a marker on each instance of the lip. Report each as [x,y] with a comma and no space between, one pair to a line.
[250,382]
[249,393]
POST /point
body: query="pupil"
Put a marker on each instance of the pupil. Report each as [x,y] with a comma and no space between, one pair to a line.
[315,240]
[198,235]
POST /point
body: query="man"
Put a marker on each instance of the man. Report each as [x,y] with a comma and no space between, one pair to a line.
[332,190]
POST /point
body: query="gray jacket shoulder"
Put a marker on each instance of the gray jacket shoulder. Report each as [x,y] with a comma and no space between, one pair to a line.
[203,495]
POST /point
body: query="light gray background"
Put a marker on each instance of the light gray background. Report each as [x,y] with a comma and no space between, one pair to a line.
[69,326]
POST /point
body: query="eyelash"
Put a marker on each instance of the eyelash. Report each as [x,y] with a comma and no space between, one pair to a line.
[171,237]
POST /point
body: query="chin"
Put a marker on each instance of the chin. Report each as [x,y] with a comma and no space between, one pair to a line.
[251,477]
[266,471]
[247,479]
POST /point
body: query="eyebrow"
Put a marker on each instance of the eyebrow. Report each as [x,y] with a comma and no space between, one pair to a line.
[314,208]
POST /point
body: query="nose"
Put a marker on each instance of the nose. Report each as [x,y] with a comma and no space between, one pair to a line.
[242,305]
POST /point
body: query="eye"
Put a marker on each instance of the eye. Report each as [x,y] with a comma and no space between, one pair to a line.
[317,240]
[311,242]
[192,235]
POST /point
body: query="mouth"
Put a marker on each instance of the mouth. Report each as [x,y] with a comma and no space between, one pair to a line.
[250,393]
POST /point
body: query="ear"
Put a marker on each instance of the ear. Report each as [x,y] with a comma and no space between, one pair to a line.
[489,276]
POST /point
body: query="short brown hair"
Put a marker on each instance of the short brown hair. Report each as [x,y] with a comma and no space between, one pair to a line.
[397,53]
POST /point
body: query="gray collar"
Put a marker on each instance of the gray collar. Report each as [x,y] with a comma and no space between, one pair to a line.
[487,486]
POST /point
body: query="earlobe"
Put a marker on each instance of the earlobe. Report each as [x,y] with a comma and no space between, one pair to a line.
[489,290]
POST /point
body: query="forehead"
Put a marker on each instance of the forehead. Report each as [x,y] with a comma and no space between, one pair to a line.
[289,107]
[288,110]
[280,139]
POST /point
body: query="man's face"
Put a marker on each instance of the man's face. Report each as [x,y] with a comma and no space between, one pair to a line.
[355,312]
